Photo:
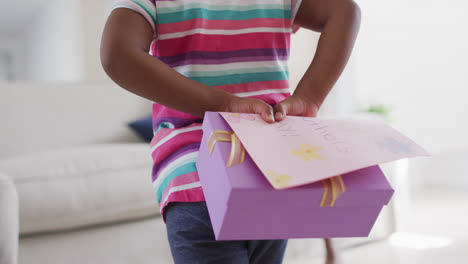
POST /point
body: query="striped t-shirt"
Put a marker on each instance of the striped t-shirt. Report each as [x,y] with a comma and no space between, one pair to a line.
[240,46]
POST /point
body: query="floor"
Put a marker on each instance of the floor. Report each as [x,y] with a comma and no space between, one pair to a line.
[432,229]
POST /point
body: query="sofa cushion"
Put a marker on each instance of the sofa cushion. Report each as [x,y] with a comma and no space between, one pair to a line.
[8,221]
[141,242]
[82,186]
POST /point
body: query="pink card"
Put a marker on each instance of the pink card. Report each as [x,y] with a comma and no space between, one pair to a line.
[302,150]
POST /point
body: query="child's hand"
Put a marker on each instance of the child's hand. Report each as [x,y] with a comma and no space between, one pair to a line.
[250,105]
[295,105]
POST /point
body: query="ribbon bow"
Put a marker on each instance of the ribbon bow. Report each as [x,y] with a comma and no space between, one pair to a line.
[333,188]
[237,150]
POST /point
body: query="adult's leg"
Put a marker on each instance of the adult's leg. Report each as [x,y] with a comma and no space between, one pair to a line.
[192,240]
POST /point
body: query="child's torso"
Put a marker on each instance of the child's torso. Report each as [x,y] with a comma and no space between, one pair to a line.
[240,46]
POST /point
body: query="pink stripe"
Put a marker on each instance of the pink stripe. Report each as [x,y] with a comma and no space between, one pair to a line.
[223,24]
[216,43]
[190,195]
[254,86]
[162,111]
[181,180]
[272,98]
[162,133]
[175,143]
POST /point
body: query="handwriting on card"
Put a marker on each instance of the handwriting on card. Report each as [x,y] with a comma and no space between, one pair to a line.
[327,135]
[287,129]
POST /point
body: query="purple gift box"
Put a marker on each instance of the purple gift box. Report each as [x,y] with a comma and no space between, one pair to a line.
[244,206]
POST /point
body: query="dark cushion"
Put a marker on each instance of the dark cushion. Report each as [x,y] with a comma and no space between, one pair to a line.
[143,127]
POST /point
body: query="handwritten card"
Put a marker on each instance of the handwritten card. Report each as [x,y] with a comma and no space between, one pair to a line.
[302,150]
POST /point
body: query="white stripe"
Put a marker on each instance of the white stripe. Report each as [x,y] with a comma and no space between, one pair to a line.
[127,3]
[285,90]
[115,6]
[192,156]
[181,188]
[173,134]
[163,4]
[231,66]
[222,32]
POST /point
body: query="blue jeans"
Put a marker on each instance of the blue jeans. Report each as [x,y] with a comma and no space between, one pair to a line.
[192,240]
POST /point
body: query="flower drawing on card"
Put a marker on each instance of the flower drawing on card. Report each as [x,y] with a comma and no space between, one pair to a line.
[278,181]
[394,146]
[236,117]
[308,153]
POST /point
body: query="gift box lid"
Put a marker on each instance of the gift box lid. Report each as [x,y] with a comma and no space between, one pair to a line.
[245,182]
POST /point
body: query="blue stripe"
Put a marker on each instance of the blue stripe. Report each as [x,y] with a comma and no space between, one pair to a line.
[184,169]
[222,15]
[185,150]
[242,78]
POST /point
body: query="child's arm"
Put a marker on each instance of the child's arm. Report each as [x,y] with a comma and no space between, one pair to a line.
[124,55]
[338,21]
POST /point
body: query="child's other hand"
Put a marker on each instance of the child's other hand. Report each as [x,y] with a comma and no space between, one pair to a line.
[250,105]
[295,106]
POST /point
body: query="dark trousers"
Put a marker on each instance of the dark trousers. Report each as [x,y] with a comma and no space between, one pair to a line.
[192,240]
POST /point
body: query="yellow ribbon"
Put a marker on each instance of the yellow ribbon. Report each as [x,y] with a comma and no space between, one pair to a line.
[237,150]
[333,188]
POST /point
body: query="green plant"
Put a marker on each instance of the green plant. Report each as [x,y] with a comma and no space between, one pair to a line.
[380,109]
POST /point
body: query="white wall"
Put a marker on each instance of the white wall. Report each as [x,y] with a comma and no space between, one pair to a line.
[413,56]
[94,16]
[342,98]
[61,43]
[303,46]
[52,44]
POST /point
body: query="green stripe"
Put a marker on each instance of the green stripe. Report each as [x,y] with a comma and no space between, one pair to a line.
[234,71]
[243,78]
[222,15]
[147,10]
[180,8]
[184,169]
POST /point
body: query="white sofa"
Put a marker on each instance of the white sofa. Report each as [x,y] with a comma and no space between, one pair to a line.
[75,181]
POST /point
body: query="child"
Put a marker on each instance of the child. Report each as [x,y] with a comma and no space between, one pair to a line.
[226,56]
